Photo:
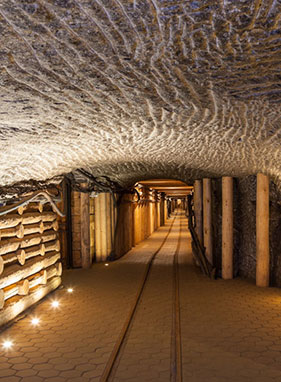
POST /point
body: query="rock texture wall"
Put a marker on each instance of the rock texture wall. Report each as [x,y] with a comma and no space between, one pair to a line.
[246,233]
[275,239]
[217,223]
[139,89]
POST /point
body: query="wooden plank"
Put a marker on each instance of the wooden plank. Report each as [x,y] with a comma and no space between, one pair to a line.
[198,209]
[262,231]
[85,228]
[207,219]
[227,228]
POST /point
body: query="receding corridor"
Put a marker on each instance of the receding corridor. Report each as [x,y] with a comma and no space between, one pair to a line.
[140,191]
[230,330]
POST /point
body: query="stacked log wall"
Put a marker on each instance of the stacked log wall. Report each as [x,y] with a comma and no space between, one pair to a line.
[30,265]
[92,227]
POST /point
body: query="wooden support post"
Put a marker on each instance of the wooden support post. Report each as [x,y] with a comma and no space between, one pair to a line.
[130,231]
[64,224]
[227,228]
[158,213]
[108,224]
[142,226]
[85,229]
[207,218]
[151,218]
[155,210]
[262,231]
[103,226]
[198,209]
[97,229]
[92,228]
[147,220]
[162,209]
[136,224]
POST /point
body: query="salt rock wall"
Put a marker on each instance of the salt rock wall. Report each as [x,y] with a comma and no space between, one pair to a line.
[139,89]
[216,223]
[245,216]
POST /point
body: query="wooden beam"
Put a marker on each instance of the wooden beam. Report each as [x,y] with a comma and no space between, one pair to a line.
[108,217]
[227,228]
[98,228]
[262,231]
[85,228]
[198,209]
[207,218]
[103,226]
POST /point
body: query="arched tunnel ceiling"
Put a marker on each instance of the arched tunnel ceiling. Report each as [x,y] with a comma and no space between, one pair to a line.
[140,89]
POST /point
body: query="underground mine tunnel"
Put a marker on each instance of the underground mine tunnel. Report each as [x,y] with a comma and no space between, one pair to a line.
[140,181]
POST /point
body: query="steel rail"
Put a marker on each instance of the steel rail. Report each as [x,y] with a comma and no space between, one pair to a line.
[176,347]
[123,334]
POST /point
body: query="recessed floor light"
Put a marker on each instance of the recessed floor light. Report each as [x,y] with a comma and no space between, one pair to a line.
[7,344]
[55,304]
[35,321]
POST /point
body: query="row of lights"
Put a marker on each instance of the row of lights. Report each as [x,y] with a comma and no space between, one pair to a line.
[35,321]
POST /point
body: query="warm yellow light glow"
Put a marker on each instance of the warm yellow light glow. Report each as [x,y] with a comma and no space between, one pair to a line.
[106,264]
[55,304]
[35,321]
[70,290]
[7,344]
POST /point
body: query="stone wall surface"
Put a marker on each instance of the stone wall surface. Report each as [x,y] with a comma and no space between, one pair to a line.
[275,237]
[217,223]
[246,230]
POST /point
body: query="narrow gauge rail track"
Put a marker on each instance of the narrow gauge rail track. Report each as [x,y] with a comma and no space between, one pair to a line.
[176,356]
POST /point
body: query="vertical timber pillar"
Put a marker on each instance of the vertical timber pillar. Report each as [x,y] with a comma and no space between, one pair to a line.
[85,228]
[103,226]
[227,228]
[108,218]
[136,223]
[262,231]
[198,209]
[151,217]
[158,203]
[97,229]
[154,211]
[162,209]
[207,218]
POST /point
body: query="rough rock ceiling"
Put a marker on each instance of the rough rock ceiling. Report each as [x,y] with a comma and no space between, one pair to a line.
[140,89]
